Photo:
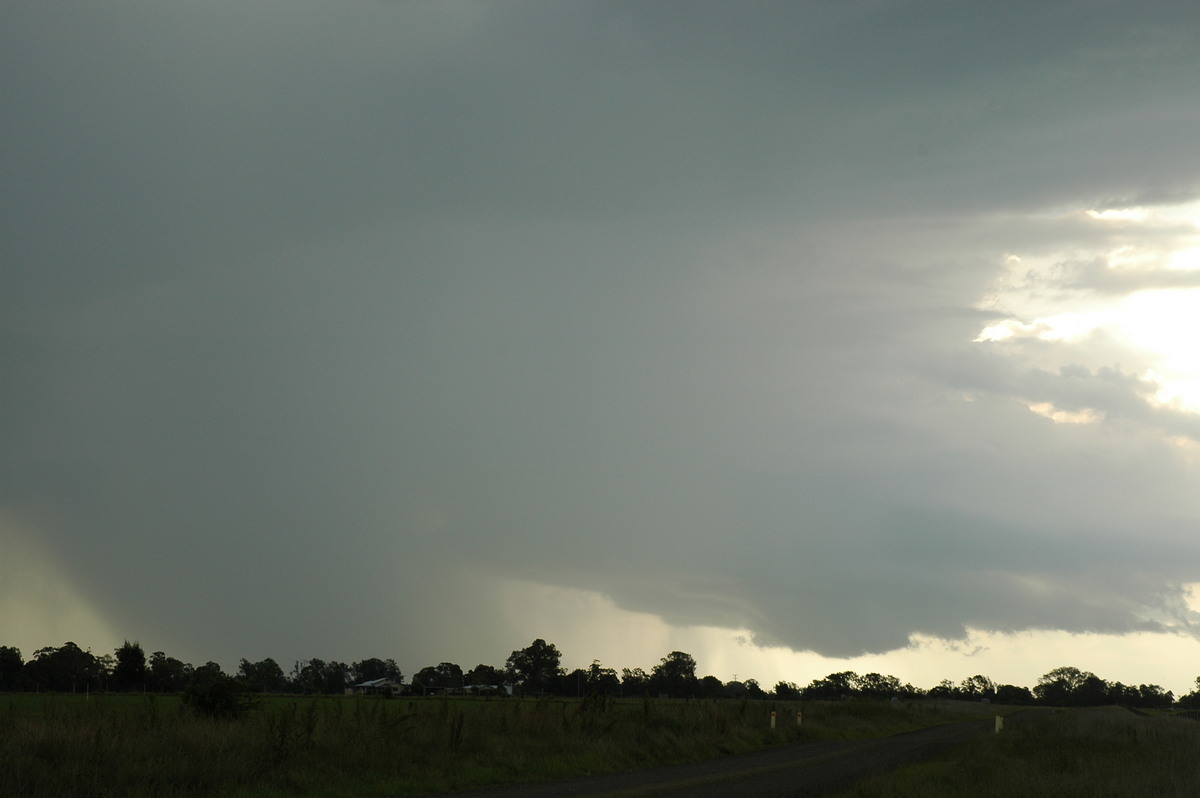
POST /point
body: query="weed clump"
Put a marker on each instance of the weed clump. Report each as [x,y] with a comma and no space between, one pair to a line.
[217,696]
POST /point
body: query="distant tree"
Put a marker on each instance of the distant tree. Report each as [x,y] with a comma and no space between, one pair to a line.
[833,686]
[214,694]
[337,677]
[167,674]
[1060,687]
[674,675]
[206,672]
[536,666]
[1123,694]
[573,683]
[375,668]
[318,676]
[67,668]
[602,680]
[1151,696]
[787,691]
[444,675]
[426,678]
[754,690]
[945,690]
[1012,694]
[130,672]
[1092,693]
[450,675]
[634,681]
[710,687]
[875,685]
[308,676]
[977,687]
[733,689]
[485,674]
[262,677]
[10,667]
[105,665]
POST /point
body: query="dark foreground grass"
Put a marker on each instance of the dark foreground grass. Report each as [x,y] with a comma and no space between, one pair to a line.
[1103,752]
[152,746]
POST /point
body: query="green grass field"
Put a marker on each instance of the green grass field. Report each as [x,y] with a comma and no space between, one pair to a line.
[1104,752]
[133,745]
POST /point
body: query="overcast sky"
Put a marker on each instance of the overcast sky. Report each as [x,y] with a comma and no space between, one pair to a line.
[798,336]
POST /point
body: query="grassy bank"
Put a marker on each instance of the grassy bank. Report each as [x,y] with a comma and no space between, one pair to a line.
[138,745]
[1103,752]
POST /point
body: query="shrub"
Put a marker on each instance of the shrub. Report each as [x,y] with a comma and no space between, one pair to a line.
[217,696]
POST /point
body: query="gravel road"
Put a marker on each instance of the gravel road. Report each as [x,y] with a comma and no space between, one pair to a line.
[802,770]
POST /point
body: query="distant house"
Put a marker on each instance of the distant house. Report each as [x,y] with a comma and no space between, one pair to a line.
[374,687]
[488,689]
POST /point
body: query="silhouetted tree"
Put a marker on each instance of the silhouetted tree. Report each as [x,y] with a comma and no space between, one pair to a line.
[977,687]
[444,675]
[674,675]
[426,678]
[1012,694]
[450,675]
[787,691]
[710,687]
[601,680]
[1092,693]
[317,676]
[10,667]
[65,669]
[944,690]
[754,689]
[375,668]
[634,681]
[486,675]
[308,676]
[833,686]
[1068,686]
[1123,694]
[130,671]
[167,674]
[208,671]
[214,694]
[573,683]
[1151,696]
[262,677]
[536,666]
[876,685]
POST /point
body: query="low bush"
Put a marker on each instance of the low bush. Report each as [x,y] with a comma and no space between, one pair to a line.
[217,696]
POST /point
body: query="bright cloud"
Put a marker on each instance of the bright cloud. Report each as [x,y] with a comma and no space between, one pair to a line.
[1073,298]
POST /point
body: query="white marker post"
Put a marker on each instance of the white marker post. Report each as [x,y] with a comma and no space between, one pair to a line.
[772,719]
[999,723]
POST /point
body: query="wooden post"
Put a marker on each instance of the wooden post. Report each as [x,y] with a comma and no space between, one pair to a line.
[799,716]
[772,719]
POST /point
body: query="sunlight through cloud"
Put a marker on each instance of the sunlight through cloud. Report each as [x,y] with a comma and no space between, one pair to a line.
[1123,303]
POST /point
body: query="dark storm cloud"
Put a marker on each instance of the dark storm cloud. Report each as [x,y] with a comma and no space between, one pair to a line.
[308,305]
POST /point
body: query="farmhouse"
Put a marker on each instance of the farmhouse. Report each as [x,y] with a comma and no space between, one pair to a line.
[374,686]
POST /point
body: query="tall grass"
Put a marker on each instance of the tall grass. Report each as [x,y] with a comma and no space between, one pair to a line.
[135,745]
[1085,753]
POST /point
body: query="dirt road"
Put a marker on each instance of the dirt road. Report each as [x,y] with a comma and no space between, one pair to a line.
[803,770]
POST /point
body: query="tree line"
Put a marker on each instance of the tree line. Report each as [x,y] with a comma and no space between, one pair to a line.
[534,670]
